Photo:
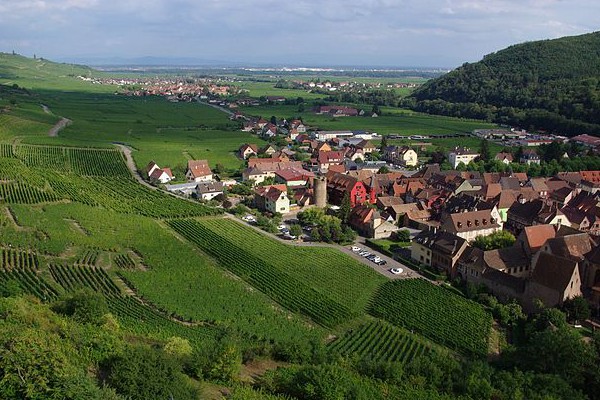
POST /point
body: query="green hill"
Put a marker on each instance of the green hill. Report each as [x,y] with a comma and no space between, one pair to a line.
[549,84]
[39,73]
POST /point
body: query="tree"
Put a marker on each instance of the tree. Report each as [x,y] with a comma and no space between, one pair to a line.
[497,240]
[484,150]
[384,142]
[383,170]
[144,373]
[577,309]
[403,235]
[274,120]
[375,110]
[85,306]
[295,230]
[345,208]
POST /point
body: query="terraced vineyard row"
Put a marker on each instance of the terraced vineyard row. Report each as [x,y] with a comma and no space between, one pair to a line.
[28,282]
[436,313]
[85,162]
[22,193]
[291,293]
[90,257]
[18,259]
[132,314]
[144,321]
[6,150]
[329,271]
[380,341]
[77,277]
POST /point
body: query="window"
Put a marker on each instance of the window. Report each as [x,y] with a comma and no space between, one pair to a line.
[428,252]
[421,258]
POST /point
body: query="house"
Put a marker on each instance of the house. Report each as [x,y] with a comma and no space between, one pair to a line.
[163,175]
[268,149]
[368,222]
[438,249]
[468,225]
[260,169]
[326,159]
[504,157]
[294,177]
[340,185]
[248,150]
[400,155]
[554,280]
[150,168]
[198,171]
[532,238]
[366,146]
[530,157]
[272,198]
[473,267]
[209,190]
[461,155]
[269,131]
[527,213]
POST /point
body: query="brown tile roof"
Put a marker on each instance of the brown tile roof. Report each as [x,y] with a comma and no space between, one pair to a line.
[199,168]
[294,174]
[553,271]
[470,221]
[537,235]
[502,259]
[574,247]
[255,162]
[387,201]
[590,176]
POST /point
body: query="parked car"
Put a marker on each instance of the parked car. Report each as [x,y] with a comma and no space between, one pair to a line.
[249,218]
[396,271]
[355,249]
[382,262]
[282,227]
[288,236]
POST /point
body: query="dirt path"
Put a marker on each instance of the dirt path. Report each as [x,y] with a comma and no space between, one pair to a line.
[132,167]
[59,126]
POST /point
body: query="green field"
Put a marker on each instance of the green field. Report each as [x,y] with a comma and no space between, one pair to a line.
[392,121]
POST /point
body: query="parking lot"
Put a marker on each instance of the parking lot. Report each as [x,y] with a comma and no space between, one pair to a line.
[381,263]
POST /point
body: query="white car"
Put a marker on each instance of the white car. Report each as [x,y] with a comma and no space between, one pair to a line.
[282,227]
[396,271]
[289,237]
[355,249]
[249,218]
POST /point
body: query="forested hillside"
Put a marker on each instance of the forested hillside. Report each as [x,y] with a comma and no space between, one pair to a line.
[550,84]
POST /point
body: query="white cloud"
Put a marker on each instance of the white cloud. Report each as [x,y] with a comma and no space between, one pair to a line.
[436,32]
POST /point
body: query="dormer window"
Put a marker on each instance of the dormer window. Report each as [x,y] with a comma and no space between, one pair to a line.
[468,223]
[492,220]
[459,224]
[476,222]
[484,221]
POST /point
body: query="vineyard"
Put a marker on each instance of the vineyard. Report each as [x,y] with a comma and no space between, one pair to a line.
[134,315]
[381,341]
[96,177]
[340,277]
[291,293]
[436,313]
[21,269]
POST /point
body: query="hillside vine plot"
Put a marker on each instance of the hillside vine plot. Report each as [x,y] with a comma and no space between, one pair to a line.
[22,193]
[134,315]
[22,268]
[381,341]
[327,270]
[18,259]
[280,286]
[434,312]
[84,162]
[78,277]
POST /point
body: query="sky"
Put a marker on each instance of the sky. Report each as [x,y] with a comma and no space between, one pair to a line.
[393,33]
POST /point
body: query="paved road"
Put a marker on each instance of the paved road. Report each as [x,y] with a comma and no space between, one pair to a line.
[383,270]
[225,110]
[59,126]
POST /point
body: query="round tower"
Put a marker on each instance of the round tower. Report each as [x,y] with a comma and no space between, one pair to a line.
[320,191]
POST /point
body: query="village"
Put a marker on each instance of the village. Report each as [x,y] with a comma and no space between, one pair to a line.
[552,223]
